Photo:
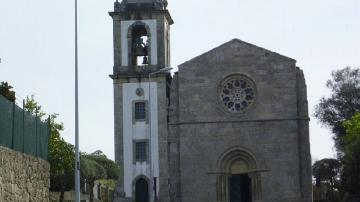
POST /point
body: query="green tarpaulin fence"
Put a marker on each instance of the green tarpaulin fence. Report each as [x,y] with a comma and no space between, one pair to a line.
[21,131]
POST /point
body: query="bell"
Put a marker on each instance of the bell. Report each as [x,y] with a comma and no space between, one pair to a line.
[139,51]
[145,60]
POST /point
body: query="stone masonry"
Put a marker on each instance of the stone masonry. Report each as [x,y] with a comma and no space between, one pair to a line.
[231,125]
[23,177]
[269,141]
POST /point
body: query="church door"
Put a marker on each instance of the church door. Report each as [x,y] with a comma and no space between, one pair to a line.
[240,188]
[142,191]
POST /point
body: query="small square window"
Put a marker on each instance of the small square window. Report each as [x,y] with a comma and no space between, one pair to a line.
[140,111]
[140,151]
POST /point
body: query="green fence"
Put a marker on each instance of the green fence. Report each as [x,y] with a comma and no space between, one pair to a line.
[21,131]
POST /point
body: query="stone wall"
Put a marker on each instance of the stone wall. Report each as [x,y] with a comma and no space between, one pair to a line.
[23,177]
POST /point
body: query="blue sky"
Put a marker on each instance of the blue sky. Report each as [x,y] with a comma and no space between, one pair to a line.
[37,37]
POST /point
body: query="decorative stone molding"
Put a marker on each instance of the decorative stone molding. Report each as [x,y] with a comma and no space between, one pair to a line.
[237,161]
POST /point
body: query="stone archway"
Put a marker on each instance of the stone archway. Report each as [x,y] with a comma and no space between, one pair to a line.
[144,30]
[141,189]
[238,180]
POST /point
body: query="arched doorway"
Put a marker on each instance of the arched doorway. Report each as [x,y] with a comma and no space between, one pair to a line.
[238,179]
[239,183]
[141,190]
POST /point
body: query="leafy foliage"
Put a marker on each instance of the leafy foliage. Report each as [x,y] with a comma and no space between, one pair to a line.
[327,174]
[61,157]
[61,153]
[62,160]
[92,170]
[97,166]
[327,171]
[5,90]
[342,104]
[32,106]
[351,173]
[112,169]
[340,112]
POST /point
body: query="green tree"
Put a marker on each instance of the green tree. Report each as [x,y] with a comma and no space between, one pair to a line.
[342,104]
[351,172]
[61,153]
[90,172]
[61,159]
[327,172]
[96,166]
[31,105]
[112,169]
[5,90]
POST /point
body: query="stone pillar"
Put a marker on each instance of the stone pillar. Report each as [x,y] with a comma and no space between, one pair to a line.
[256,186]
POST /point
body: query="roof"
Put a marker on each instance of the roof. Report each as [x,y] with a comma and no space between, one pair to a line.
[239,43]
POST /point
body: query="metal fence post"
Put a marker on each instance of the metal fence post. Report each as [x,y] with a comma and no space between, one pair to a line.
[48,137]
[36,133]
[13,126]
[23,131]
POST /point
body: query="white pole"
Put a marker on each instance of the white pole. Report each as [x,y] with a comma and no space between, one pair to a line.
[77,157]
[150,134]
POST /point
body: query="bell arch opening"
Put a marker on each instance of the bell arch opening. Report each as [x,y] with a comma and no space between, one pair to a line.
[139,39]
[238,179]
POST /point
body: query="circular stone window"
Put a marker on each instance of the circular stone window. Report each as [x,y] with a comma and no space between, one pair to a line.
[237,93]
[139,92]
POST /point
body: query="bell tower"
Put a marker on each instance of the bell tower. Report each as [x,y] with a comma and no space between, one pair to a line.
[141,36]
[141,31]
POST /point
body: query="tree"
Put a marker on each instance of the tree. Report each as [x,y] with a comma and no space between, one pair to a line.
[327,171]
[351,172]
[5,90]
[342,104]
[61,153]
[32,106]
[61,159]
[90,172]
[96,166]
[112,169]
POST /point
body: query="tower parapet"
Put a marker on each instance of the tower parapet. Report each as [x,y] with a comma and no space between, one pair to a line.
[140,5]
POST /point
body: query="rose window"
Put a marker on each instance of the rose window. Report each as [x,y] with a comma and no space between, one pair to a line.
[237,94]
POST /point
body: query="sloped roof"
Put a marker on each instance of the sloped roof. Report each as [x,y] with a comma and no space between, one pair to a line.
[230,44]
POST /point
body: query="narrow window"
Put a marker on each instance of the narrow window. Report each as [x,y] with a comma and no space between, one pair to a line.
[140,151]
[140,111]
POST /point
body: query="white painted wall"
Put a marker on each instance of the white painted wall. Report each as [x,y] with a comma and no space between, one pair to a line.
[124,41]
[139,131]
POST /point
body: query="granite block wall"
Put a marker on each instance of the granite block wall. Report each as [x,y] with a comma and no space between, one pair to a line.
[23,177]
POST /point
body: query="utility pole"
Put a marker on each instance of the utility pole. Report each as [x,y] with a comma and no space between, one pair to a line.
[77,156]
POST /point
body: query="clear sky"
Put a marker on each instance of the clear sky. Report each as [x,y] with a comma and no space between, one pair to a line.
[37,51]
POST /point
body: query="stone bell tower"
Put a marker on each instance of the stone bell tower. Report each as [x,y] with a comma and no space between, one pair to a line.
[140,76]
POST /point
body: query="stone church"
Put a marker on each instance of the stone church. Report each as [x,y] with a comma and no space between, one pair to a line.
[231,125]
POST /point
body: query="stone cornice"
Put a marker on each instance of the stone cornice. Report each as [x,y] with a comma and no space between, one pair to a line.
[241,121]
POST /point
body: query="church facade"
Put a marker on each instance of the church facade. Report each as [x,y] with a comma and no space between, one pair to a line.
[231,125]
